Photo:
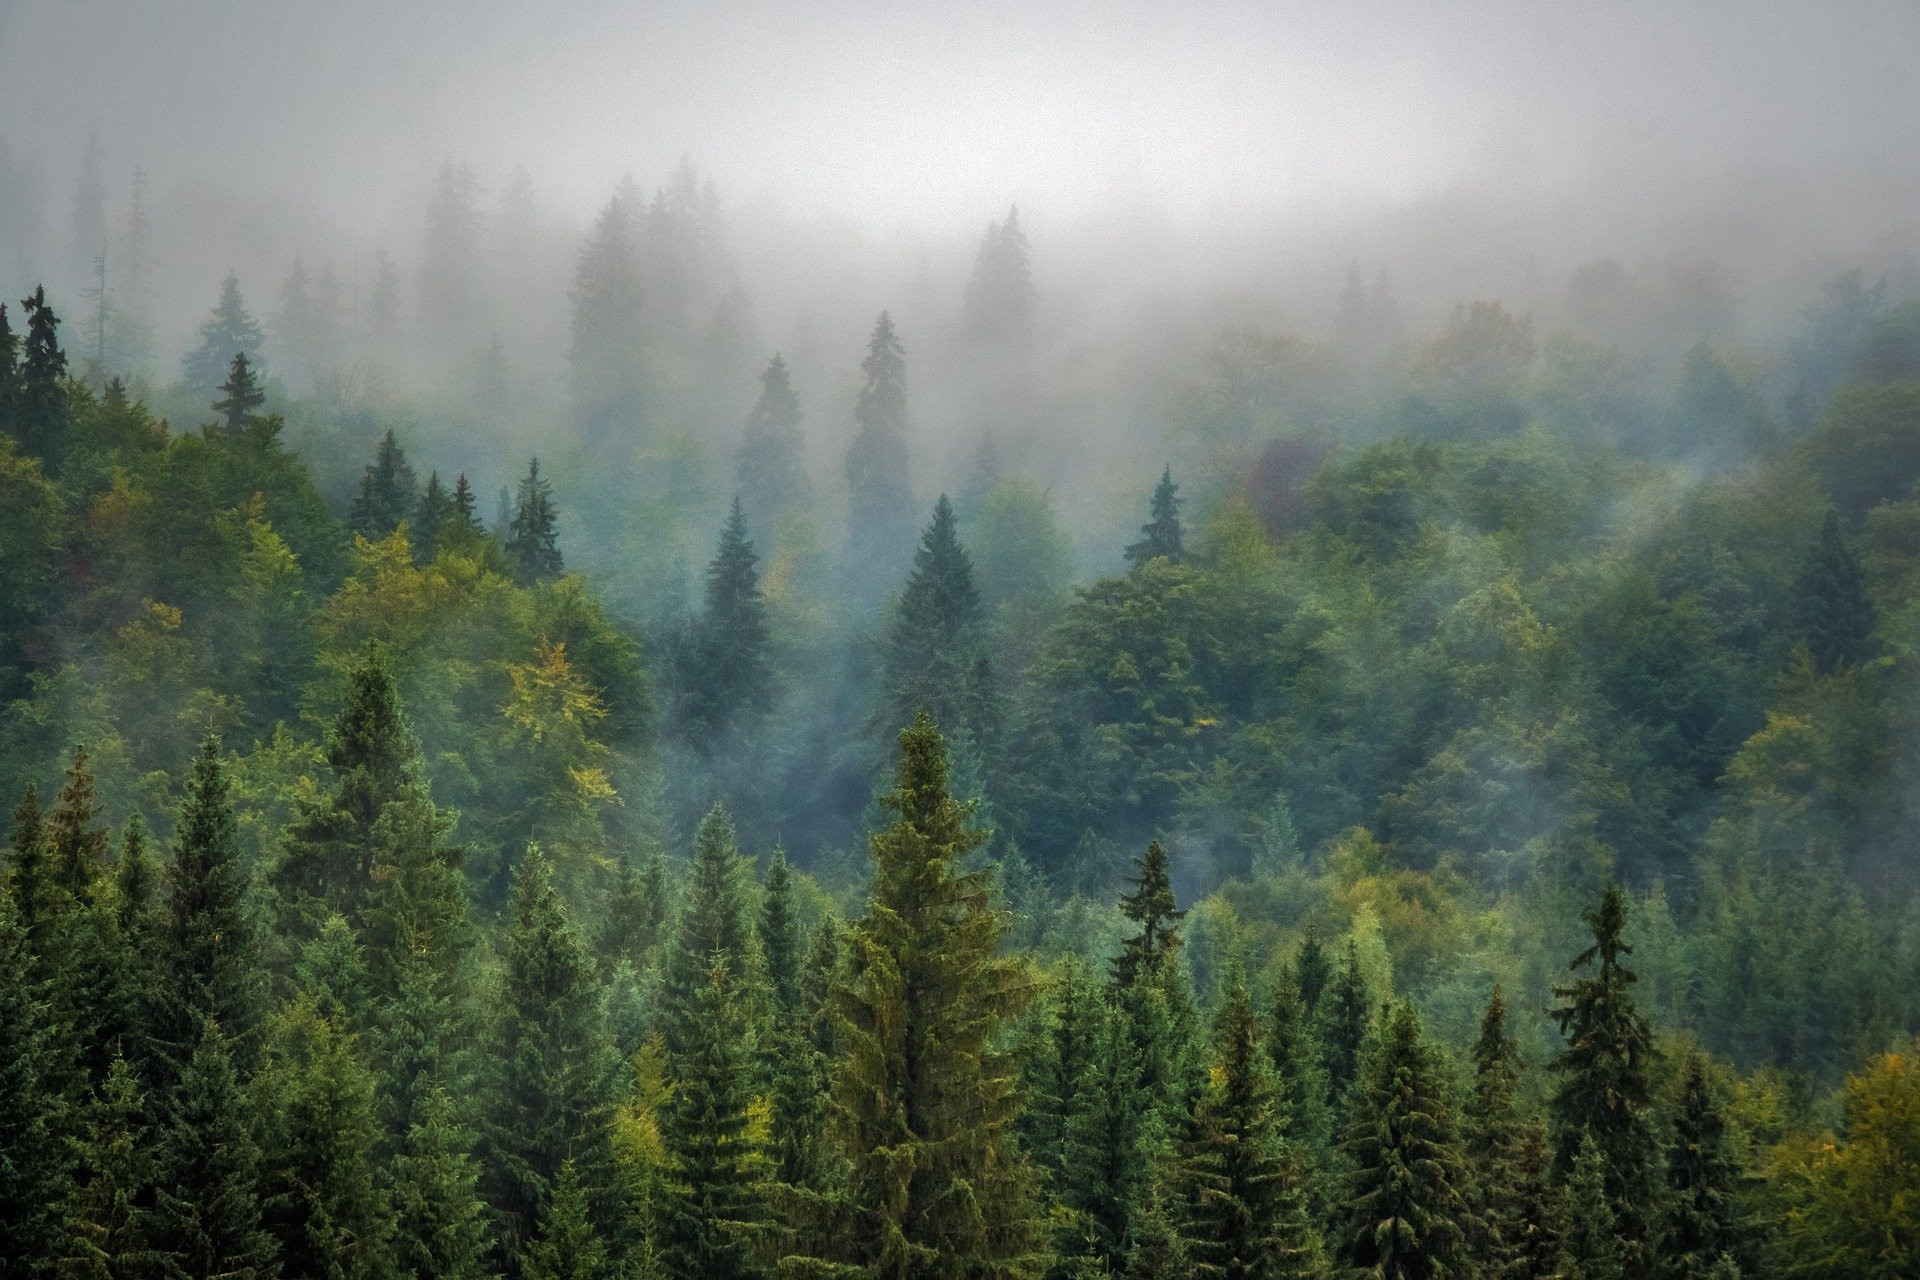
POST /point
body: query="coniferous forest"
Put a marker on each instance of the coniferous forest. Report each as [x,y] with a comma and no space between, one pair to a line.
[516,771]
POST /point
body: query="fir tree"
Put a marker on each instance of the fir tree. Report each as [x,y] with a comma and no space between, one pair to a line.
[464,521]
[1592,1247]
[566,1248]
[1112,1138]
[1159,1251]
[240,396]
[779,934]
[935,657]
[228,332]
[532,542]
[1071,1016]
[926,1097]
[1299,1080]
[209,952]
[1345,1017]
[1535,1217]
[880,519]
[1407,1211]
[1162,531]
[713,922]
[39,411]
[206,1214]
[36,1177]
[1245,1204]
[430,517]
[1702,1223]
[1836,615]
[332,974]
[387,491]
[1150,906]
[78,849]
[550,1091]
[1604,1090]
[30,880]
[770,473]
[1493,1138]
[714,1201]
[440,1226]
[416,910]
[108,1237]
[726,675]
[630,921]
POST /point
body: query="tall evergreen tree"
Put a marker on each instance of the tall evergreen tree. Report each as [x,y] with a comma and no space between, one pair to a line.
[1592,1247]
[726,675]
[39,409]
[1702,1224]
[1493,1139]
[1246,1205]
[240,397]
[780,941]
[1163,537]
[1836,615]
[440,1226]
[549,1096]
[567,1247]
[78,848]
[9,372]
[388,493]
[532,542]
[1605,1091]
[1150,905]
[206,1215]
[1535,1213]
[1000,298]
[880,518]
[714,1203]
[109,1232]
[1407,1209]
[430,517]
[713,922]
[228,332]
[771,473]
[209,950]
[1299,1081]
[36,1175]
[607,358]
[1113,1137]
[1345,1017]
[634,920]
[926,1097]
[1312,971]
[1071,1015]
[935,655]
[31,886]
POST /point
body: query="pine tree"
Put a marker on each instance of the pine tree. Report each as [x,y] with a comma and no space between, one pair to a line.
[880,518]
[1592,1247]
[387,491]
[464,523]
[1493,1139]
[1345,1017]
[327,864]
[935,656]
[326,1205]
[109,1232]
[1836,615]
[550,1091]
[209,952]
[566,1247]
[36,1177]
[78,849]
[206,1214]
[1150,906]
[240,396]
[1604,1090]
[430,517]
[927,1099]
[1246,1207]
[1162,529]
[228,332]
[713,922]
[726,674]
[40,400]
[532,544]
[1406,1196]
[714,1201]
[440,1226]
[771,474]
[1702,1224]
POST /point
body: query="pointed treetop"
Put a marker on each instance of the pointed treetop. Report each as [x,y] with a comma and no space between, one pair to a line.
[1162,530]
[241,395]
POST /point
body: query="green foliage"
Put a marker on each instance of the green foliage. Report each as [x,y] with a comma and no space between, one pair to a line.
[207,1199]
[769,474]
[388,492]
[532,537]
[1163,537]
[725,675]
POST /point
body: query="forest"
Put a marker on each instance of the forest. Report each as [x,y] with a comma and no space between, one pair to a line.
[516,772]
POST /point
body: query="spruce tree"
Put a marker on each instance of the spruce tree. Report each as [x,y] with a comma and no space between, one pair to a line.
[607,356]
[36,1176]
[880,517]
[549,1095]
[532,542]
[1836,615]
[416,910]
[1407,1213]
[935,657]
[1113,1136]
[1345,1017]
[926,1096]
[1592,1246]
[1493,1139]
[209,951]
[388,492]
[1312,971]
[1701,1217]
[1159,1251]
[40,400]
[1150,905]
[1162,531]
[440,1226]
[713,922]
[770,474]
[228,332]
[1246,1207]
[567,1247]
[726,676]
[9,372]
[1299,1081]
[1000,300]
[109,1233]
[240,396]
[78,848]
[31,887]
[431,516]
[715,1203]
[780,941]
[206,1214]
[1604,1090]
[629,922]
[1070,1019]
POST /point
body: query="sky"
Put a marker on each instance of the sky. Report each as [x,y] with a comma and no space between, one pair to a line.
[889,114]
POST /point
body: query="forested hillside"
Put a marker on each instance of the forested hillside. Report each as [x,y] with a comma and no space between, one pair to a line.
[1468,830]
